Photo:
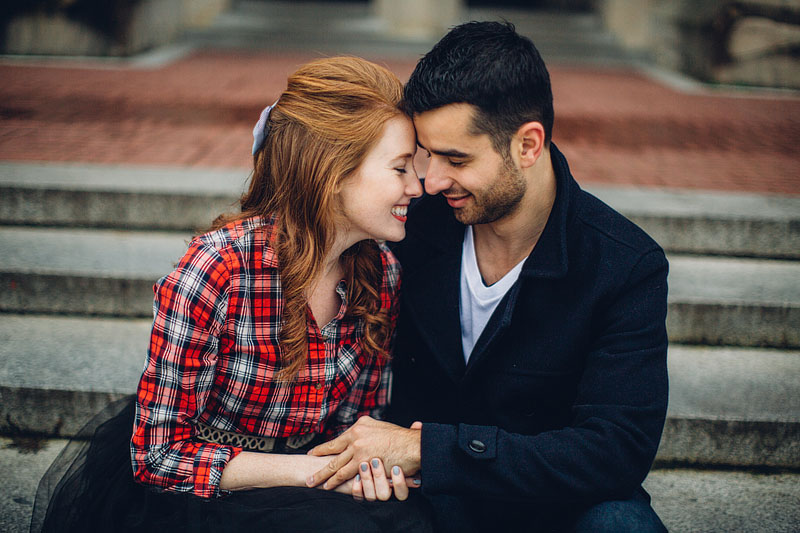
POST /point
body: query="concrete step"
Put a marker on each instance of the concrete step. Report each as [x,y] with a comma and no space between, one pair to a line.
[739,302]
[22,465]
[732,406]
[728,406]
[686,500]
[711,223]
[79,271]
[57,372]
[709,501]
[682,221]
[713,300]
[143,197]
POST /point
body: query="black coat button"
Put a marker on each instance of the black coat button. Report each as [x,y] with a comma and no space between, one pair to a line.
[477,446]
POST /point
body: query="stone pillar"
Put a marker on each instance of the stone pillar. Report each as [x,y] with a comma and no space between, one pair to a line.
[630,20]
[139,26]
[199,13]
[418,19]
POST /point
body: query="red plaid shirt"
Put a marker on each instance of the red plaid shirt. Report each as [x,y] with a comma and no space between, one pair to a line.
[214,352]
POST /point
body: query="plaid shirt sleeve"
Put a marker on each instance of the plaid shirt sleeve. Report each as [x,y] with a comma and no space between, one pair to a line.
[189,313]
[370,394]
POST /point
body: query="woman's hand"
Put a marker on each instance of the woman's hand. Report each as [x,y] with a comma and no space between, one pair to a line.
[371,482]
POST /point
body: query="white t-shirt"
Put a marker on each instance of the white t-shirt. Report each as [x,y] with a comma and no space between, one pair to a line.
[477,301]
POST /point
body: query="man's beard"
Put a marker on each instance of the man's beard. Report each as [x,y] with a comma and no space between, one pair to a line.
[499,200]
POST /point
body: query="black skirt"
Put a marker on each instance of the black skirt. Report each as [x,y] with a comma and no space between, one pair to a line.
[90,487]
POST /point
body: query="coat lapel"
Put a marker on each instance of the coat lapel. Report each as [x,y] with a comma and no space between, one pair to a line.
[430,290]
[548,260]
[431,296]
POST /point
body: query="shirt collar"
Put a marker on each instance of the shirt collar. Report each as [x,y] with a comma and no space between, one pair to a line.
[270,256]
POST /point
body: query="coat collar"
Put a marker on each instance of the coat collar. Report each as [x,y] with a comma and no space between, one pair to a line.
[549,259]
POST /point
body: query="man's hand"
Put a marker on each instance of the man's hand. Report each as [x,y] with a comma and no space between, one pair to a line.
[366,439]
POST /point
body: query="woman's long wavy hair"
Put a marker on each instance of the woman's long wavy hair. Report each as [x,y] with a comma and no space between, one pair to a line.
[331,114]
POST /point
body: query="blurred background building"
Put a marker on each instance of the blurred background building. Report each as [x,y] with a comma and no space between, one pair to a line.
[754,42]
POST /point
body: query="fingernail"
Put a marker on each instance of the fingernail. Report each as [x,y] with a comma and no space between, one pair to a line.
[364,467]
[396,470]
[358,477]
[325,485]
[417,482]
[375,463]
[310,480]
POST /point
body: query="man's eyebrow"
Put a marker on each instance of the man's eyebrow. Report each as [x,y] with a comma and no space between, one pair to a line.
[446,153]
[451,153]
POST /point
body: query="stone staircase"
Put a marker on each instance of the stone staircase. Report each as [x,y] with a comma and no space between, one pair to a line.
[82,246]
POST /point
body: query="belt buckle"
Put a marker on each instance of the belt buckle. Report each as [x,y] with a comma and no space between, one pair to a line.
[298,441]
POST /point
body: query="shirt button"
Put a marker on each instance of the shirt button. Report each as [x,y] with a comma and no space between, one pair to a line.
[477,446]
[318,386]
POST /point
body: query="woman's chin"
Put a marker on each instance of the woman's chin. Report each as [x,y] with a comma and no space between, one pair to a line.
[394,236]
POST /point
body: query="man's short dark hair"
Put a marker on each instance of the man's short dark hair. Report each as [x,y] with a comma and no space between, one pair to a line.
[491,66]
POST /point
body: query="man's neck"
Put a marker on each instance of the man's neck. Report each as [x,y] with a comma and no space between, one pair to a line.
[502,244]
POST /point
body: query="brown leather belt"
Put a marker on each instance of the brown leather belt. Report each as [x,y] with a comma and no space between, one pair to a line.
[254,443]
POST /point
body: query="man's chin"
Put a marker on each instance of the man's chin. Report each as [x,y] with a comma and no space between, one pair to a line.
[470,217]
[464,216]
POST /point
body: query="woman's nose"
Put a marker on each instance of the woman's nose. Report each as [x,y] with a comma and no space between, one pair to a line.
[413,185]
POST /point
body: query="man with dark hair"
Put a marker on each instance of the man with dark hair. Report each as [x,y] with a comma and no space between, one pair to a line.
[531,342]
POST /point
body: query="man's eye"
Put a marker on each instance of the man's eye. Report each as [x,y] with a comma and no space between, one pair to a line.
[401,170]
[456,163]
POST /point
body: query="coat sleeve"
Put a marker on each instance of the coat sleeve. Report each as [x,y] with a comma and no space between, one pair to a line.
[190,308]
[618,416]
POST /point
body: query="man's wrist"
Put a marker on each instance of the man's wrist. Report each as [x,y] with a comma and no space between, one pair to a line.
[415,451]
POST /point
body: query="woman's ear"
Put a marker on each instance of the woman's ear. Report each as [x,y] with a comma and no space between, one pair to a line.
[529,143]
[337,187]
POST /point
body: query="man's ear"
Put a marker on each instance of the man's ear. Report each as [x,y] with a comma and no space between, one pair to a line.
[529,143]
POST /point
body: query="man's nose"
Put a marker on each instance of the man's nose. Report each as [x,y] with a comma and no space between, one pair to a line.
[436,179]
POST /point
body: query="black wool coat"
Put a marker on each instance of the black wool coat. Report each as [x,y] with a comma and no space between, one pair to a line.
[564,397]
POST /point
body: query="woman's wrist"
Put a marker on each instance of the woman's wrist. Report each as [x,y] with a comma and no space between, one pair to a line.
[252,470]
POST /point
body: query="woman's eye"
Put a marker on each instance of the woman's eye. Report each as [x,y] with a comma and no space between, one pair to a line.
[401,170]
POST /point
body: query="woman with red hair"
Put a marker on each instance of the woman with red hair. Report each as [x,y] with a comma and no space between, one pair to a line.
[274,331]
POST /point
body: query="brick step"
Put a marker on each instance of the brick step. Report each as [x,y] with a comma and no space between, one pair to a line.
[719,223]
[713,300]
[702,501]
[733,407]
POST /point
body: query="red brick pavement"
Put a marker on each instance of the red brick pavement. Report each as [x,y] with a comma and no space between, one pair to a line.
[616,126]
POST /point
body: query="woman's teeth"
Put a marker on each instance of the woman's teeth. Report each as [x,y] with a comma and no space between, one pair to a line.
[400,211]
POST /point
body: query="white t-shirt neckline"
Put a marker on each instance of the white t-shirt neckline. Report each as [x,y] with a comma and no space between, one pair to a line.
[477,302]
